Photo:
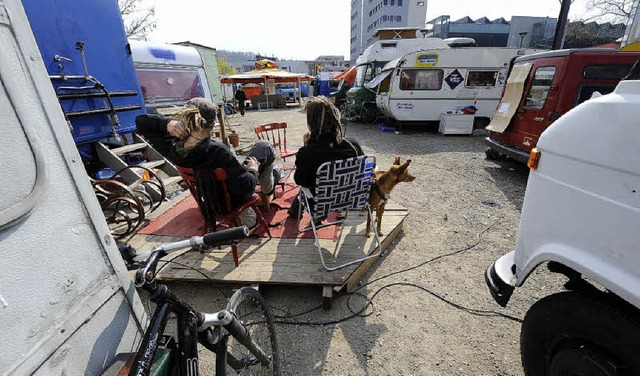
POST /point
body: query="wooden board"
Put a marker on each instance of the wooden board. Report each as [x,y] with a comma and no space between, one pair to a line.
[282,260]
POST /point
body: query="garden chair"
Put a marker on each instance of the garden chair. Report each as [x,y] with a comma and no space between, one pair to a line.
[276,134]
[341,185]
[209,189]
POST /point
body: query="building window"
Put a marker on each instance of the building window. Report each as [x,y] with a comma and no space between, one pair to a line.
[384,18]
[392,2]
[539,89]
[421,79]
[398,18]
[420,3]
[399,3]
[386,2]
[481,78]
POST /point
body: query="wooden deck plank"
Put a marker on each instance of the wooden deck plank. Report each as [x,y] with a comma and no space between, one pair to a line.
[284,261]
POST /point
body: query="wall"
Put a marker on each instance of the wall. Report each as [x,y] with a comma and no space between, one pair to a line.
[67,305]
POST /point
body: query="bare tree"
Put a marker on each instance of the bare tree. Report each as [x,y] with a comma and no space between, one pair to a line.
[610,10]
[139,20]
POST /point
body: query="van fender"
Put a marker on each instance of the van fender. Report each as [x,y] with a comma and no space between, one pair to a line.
[600,267]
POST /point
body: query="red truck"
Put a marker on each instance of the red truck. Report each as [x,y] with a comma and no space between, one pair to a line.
[542,87]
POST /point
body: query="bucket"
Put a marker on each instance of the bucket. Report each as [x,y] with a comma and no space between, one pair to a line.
[234,139]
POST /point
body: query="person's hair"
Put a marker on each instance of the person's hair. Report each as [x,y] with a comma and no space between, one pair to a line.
[190,117]
[323,119]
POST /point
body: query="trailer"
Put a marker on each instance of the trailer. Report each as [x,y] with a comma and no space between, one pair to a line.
[421,86]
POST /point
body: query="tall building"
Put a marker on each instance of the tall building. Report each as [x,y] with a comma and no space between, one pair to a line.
[369,15]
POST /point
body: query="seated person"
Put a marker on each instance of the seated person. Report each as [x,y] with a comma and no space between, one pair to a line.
[323,143]
[186,141]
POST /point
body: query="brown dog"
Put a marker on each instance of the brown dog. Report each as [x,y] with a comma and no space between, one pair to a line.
[381,188]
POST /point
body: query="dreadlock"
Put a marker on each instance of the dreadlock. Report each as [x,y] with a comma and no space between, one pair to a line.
[323,119]
[190,117]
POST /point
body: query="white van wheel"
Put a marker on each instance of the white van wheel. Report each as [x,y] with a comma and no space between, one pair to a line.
[579,333]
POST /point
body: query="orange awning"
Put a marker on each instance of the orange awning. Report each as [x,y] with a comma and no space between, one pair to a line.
[348,75]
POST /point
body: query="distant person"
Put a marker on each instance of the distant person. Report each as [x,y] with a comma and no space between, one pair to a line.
[323,143]
[241,97]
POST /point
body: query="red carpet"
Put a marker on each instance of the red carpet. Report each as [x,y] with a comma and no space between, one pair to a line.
[184,219]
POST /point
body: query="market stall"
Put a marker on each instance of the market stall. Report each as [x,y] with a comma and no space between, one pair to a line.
[266,73]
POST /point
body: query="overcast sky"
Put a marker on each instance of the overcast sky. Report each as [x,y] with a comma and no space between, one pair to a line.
[305,29]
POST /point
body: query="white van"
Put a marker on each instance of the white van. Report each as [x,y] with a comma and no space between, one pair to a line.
[422,85]
[169,75]
[581,217]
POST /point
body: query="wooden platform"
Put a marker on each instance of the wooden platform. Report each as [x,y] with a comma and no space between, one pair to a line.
[282,260]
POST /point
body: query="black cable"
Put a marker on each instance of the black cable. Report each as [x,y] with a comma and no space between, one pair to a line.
[369,303]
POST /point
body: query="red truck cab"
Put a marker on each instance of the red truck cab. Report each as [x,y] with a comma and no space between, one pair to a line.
[544,86]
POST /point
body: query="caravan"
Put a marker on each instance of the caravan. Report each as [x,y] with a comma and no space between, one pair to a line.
[423,85]
[170,75]
[360,99]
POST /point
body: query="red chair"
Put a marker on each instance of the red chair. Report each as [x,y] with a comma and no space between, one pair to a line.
[209,189]
[276,134]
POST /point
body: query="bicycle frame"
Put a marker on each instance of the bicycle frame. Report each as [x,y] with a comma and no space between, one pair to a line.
[193,326]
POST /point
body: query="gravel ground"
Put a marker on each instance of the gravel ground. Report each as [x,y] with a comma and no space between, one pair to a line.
[431,312]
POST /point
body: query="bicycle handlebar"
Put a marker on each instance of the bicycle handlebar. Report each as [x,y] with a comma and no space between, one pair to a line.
[146,273]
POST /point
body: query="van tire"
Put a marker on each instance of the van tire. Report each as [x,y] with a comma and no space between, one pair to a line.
[580,333]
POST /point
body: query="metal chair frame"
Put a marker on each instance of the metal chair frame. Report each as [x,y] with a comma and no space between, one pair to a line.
[340,185]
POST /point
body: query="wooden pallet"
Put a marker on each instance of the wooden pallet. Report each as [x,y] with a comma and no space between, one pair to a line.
[284,261]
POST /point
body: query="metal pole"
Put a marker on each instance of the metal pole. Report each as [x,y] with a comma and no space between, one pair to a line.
[558,38]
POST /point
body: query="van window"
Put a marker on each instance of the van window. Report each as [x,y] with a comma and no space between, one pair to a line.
[537,95]
[421,79]
[482,78]
[168,85]
[606,72]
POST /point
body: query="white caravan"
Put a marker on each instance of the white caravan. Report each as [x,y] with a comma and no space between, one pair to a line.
[422,85]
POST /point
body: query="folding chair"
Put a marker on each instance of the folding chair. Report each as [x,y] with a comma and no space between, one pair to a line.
[276,134]
[209,189]
[340,185]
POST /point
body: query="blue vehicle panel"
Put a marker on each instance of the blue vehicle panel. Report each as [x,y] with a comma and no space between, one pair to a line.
[63,29]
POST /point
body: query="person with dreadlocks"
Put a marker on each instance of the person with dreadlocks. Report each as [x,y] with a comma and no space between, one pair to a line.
[323,143]
[185,139]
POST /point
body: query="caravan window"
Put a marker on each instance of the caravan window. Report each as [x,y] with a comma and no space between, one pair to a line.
[168,85]
[482,78]
[421,79]
[539,89]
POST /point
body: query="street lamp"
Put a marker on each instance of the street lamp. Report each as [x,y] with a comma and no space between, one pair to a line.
[522,35]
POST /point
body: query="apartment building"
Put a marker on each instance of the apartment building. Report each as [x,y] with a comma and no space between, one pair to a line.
[369,15]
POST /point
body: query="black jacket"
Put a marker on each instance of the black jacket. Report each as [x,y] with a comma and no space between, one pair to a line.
[206,154]
[317,152]
[241,96]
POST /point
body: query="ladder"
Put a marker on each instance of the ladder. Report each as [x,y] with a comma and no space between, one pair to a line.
[115,158]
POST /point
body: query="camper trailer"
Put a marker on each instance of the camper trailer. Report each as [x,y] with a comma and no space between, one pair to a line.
[169,75]
[360,99]
[421,86]
[544,86]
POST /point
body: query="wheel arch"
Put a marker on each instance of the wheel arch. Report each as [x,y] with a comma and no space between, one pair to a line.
[596,266]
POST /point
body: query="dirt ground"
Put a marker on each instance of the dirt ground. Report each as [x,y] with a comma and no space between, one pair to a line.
[431,312]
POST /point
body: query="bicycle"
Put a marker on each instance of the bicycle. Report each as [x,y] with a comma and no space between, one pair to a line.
[242,335]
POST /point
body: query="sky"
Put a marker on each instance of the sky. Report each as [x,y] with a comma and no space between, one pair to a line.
[306,29]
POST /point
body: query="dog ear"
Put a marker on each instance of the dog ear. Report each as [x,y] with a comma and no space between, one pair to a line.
[404,166]
[397,160]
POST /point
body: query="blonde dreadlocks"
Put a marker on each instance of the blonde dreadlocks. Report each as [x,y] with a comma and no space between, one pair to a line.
[190,117]
[323,119]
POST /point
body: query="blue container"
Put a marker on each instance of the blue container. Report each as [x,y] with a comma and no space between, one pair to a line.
[57,27]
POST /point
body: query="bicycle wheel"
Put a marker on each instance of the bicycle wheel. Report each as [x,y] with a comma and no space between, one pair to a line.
[250,308]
